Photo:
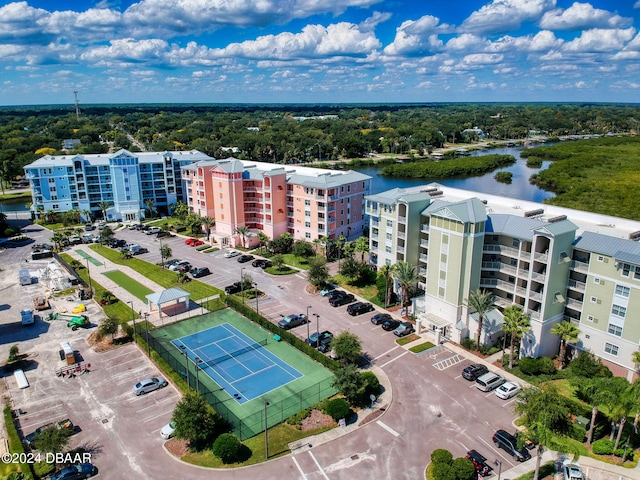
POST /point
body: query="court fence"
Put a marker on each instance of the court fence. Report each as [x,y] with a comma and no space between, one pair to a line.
[254,423]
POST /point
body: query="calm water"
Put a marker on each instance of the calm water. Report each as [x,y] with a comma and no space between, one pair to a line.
[519,188]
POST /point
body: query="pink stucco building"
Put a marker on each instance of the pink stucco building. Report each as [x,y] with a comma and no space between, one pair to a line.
[307,202]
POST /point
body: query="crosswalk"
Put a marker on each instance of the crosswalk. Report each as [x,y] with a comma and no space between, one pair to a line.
[448,362]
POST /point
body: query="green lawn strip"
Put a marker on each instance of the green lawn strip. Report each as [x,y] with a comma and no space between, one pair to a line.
[13,196]
[368,292]
[15,446]
[408,339]
[279,438]
[284,271]
[422,347]
[118,310]
[129,284]
[164,278]
[546,470]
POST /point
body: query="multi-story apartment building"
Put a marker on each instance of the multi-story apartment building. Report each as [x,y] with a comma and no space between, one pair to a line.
[309,203]
[557,263]
[128,181]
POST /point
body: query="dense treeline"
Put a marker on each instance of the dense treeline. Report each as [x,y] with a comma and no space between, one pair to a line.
[599,175]
[446,169]
[276,133]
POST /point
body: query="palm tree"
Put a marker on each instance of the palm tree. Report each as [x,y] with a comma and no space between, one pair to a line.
[567,332]
[407,276]
[243,231]
[104,206]
[151,206]
[87,215]
[481,302]
[165,252]
[516,323]
[323,241]
[57,238]
[387,270]
[635,358]
[362,246]
[207,223]
[263,238]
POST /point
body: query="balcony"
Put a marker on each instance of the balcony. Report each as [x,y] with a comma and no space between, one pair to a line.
[402,219]
[400,249]
[580,266]
[423,258]
[537,296]
[424,228]
[538,277]
[375,223]
[402,235]
[574,303]
[422,272]
[252,189]
[424,243]
[541,257]
[503,249]
[331,209]
[576,285]
[534,314]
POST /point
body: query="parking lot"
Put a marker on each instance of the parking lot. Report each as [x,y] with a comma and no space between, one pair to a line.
[432,406]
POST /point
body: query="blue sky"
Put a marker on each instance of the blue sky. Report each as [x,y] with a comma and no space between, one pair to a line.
[319,51]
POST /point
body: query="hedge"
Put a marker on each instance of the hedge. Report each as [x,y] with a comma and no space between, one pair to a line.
[15,444]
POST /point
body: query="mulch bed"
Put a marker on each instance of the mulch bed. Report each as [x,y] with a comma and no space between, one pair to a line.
[373,415]
[177,448]
[317,419]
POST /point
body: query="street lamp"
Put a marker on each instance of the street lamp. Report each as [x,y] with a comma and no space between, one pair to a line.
[146,321]
[197,364]
[266,432]
[499,463]
[89,275]
[186,364]
[133,318]
[308,322]
[242,283]
[317,330]
[255,287]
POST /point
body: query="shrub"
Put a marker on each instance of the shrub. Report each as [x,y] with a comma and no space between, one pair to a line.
[603,447]
[537,366]
[468,344]
[624,453]
[441,455]
[338,408]
[463,469]
[587,365]
[13,353]
[546,366]
[370,385]
[296,420]
[443,471]
[227,447]
[577,432]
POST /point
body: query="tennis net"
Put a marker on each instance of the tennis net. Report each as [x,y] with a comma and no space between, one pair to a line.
[235,353]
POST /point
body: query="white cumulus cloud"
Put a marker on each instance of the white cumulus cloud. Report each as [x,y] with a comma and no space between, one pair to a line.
[505,15]
[582,15]
[600,40]
[417,37]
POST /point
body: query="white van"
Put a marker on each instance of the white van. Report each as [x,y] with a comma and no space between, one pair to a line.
[489,381]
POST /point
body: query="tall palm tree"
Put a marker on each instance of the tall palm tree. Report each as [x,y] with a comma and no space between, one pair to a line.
[87,215]
[104,206]
[362,246]
[387,270]
[207,223]
[407,276]
[481,302]
[516,323]
[635,358]
[324,243]
[263,238]
[567,332]
[151,206]
[243,231]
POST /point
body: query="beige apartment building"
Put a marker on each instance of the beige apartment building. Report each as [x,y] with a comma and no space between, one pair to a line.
[309,203]
[557,263]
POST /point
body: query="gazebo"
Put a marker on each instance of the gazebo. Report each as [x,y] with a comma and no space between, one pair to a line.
[177,299]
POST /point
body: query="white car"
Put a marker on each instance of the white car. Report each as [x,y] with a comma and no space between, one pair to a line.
[231,254]
[168,430]
[507,390]
[572,472]
[149,385]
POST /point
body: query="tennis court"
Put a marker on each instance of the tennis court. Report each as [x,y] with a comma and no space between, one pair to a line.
[237,363]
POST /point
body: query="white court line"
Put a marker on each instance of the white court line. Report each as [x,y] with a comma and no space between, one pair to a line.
[394,359]
[388,351]
[319,467]
[473,385]
[388,428]
[298,465]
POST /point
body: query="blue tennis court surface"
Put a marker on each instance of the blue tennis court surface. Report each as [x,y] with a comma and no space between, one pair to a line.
[239,364]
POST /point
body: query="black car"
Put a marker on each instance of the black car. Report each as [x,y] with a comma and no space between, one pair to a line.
[235,287]
[341,300]
[336,293]
[321,341]
[379,318]
[479,463]
[164,233]
[76,472]
[245,258]
[261,262]
[405,328]
[200,272]
[474,371]
[391,324]
[359,308]
[509,443]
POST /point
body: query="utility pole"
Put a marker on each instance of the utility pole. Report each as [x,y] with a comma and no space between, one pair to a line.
[75,93]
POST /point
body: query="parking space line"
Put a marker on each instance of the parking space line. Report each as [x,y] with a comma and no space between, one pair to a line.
[156,416]
[509,402]
[385,353]
[47,420]
[155,404]
[457,377]
[388,428]
[489,394]
[490,445]
[119,365]
[318,464]
[293,457]
[394,359]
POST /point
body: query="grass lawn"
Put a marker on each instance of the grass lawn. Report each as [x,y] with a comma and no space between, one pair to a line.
[155,273]
[564,387]
[546,470]
[422,347]
[368,292]
[12,196]
[279,438]
[284,271]
[129,284]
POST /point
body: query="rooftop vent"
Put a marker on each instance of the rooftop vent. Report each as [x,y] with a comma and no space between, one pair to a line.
[436,193]
[484,201]
[634,235]
[429,190]
[534,213]
[559,218]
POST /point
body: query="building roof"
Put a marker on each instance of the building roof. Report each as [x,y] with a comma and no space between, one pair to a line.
[49,161]
[618,248]
[525,228]
[325,179]
[168,295]
[471,210]
[395,195]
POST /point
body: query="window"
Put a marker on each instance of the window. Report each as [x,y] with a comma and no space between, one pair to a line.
[594,299]
[618,311]
[307,235]
[628,269]
[622,291]
[389,236]
[615,330]
[307,224]
[515,243]
[387,249]
[590,318]
[445,239]
[611,349]
[600,258]
[307,202]
[390,223]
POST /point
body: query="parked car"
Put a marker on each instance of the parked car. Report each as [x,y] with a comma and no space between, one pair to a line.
[231,254]
[380,318]
[164,233]
[262,263]
[153,230]
[508,390]
[101,225]
[65,425]
[509,443]
[320,340]
[233,288]
[479,463]
[149,385]
[168,430]
[405,328]
[193,242]
[572,471]
[75,472]
[88,227]
[176,266]
[200,272]
[359,308]
[473,371]
[189,241]
[245,258]
[75,240]
[489,381]
[183,267]
[390,324]
[330,287]
[171,263]
[292,321]
[341,300]
[335,293]
[133,226]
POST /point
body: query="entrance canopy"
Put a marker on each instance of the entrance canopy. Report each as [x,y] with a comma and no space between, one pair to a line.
[178,298]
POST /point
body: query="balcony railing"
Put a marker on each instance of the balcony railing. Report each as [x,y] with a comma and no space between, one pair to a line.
[423,257]
[402,219]
[538,277]
[535,296]
[575,304]
[400,249]
[375,223]
[534,314]
[424,227]
[576,285]
[402,235]
[580,266]
[424,243]
[541,257]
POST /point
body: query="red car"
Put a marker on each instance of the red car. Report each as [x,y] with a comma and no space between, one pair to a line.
[193,242]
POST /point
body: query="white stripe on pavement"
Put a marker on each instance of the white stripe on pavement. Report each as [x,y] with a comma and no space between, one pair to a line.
[394,359]
[318,464]
[388,428]
[299,467]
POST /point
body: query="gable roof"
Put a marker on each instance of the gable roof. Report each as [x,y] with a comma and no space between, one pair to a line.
[168,295]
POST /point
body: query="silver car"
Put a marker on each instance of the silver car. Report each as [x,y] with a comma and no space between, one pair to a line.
[149,385]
